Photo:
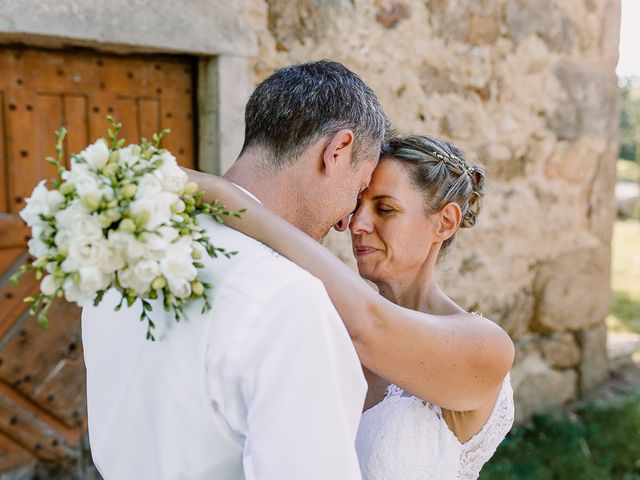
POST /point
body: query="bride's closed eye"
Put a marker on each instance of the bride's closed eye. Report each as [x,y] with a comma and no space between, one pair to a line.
[384,209]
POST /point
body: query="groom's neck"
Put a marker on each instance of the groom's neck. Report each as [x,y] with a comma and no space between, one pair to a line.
[278,191]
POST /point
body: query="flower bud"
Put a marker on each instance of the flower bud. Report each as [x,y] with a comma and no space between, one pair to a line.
[178,207]
[114,156]
[114,214]
[127,225]
[196,254]
[104,220]
[142,219]
[110,169]
[91,200]
[197,288]
[191,188]
[129,191]
[158,283]
[67,188]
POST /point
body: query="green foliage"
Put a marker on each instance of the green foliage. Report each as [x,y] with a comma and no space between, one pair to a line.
[625,276]
[592,443]
[627,171]
[630,120]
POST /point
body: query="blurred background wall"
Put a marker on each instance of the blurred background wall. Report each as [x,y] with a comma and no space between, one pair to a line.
[527,87]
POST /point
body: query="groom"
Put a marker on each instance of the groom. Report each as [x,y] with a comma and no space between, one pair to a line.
[266,385]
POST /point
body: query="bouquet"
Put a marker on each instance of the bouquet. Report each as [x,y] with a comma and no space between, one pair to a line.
[123,218]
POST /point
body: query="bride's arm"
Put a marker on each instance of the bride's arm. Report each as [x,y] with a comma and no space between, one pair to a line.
[456,361]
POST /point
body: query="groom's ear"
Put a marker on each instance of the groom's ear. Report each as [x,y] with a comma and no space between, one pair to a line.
[337,152]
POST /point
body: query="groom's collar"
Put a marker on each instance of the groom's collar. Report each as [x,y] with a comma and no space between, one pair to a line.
[248,193]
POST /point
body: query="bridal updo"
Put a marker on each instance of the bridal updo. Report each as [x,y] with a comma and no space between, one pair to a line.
[439,170]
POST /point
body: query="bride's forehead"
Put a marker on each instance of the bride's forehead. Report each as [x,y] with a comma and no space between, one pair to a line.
[389,174]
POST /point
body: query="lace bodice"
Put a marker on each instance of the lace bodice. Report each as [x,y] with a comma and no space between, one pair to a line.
[406,438]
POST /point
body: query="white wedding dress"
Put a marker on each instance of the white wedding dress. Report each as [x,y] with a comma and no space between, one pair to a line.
[405,438]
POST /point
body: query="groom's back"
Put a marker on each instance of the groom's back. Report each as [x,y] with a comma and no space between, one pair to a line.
[174,408]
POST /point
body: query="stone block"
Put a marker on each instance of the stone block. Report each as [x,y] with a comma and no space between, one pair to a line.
[589,103]
[561,350]
[542,18]
[538,387]
[207,28]
[293,22]
[572,291]
[594,368]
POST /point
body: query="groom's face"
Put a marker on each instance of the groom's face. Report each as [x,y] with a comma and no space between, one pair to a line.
[347,189]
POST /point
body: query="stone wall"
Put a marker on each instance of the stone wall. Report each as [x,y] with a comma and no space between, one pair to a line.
[529,88]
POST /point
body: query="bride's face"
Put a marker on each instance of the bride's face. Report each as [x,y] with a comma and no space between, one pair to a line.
[391,232]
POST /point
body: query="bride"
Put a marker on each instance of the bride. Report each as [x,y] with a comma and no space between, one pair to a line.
[440,400]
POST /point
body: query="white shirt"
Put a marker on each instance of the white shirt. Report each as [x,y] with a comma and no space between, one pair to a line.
[283,385]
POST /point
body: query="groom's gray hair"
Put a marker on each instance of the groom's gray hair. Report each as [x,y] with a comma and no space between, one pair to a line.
[299,104]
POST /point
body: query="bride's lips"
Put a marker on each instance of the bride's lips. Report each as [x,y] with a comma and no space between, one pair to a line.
[363,250]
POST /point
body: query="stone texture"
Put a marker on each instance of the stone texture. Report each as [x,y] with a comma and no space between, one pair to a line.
[594,368]
[537,387]
[195,26]
[572,291]
[589,102]
[561,350]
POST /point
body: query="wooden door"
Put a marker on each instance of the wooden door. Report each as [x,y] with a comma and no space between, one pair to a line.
[42,378]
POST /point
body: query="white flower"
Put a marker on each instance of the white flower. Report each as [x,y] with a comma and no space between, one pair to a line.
[92,279]
[177,267]
[112,258]
[73,293]
[148,187]
[37,204]
[172,177]
[96,155]
[153,212]
[127,156]
[38,248]
[70,215]
[89,252]
[49,285]
[139,276]
[179,287]
[87,227]
[54,199]
[132,248]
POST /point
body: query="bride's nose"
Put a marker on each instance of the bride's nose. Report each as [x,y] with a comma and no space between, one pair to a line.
[360,222]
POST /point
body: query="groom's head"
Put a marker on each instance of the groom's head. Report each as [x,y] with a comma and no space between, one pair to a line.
[314,130]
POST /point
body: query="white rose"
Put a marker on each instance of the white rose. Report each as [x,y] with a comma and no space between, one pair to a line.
[132,248]
[137,276]
[85,183]
[177,265]
[96,155]
[41,230]
[37,204]
[73,293]
[148,187]
[84,251]
[179,287]
[70,215]
[49,285]
[92,279]
[38,248]
[54,199]
[127,156]
[172,177]
[87,227]
[111,258]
